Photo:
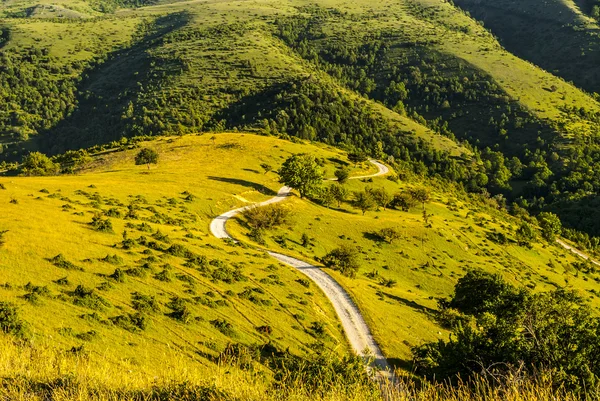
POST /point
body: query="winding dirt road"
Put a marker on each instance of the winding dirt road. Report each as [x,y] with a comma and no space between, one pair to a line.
[576,251]
[354,324]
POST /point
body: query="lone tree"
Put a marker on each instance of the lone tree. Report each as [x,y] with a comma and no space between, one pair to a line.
[301,172]
[404,201]
[146,156]
[342,175]
[420,195]
[364,201]
[551,226]
[339,193]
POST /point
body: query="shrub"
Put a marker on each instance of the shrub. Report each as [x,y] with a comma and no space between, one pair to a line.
[344,259]
[60,261]
[388,235]
[10,323]
[267,217]
[223,326]
[131,322]
[101,224]
[144,303]
[88,298]
[2,240]
[118,276]
[38,164]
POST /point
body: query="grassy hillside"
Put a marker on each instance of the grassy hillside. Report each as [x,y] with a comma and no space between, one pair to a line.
[154,288]
[398,284]
[153,293]
[556,35]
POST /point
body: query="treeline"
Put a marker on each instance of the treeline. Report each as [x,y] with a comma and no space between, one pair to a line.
[110,6]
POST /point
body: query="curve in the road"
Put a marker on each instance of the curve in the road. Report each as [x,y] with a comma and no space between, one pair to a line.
[354,324]
[576,252]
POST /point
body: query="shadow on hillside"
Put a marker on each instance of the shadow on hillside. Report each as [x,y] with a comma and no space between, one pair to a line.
[253,108]
[109,88]
[249,184]
[411,304]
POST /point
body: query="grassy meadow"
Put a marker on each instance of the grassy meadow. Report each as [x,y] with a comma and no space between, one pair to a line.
[173,203]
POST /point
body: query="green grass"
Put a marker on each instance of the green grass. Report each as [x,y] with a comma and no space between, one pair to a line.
[51,216]
[425,263]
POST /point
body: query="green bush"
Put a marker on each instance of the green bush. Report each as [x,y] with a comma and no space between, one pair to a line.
[10,322]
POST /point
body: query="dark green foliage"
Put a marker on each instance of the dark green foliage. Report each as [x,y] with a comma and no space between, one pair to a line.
[10,323]
[525,235]
[2,240]
[404,201]
[144,303]
[227,275]
[479,292]
[364,201]
[344,259]
[146,156]
[113,259]
[118,276]
[303,173]
[503,327]
[88,298]
[303,282]
[101,224]
[342,175]
[179,251]
[131,322]
[164,276]
[224,327]
[551,226]
[388,235]
[38,164]
[62,262]
[181,311]
[63,281]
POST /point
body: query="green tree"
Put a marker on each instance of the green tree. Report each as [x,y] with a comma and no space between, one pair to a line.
[342,175]
[38,164]
[551,226]
[302,172]
[382,197]
[404,201]
[146,156]
[364,201]
[344,259]
[357,157]
[421,195]
[339,193]
[525,235]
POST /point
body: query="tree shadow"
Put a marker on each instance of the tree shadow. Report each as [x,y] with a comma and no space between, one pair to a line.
[341,162]
[249,184]
[411,304]
[373,237]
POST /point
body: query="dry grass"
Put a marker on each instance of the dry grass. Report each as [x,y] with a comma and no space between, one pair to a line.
[37,372]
